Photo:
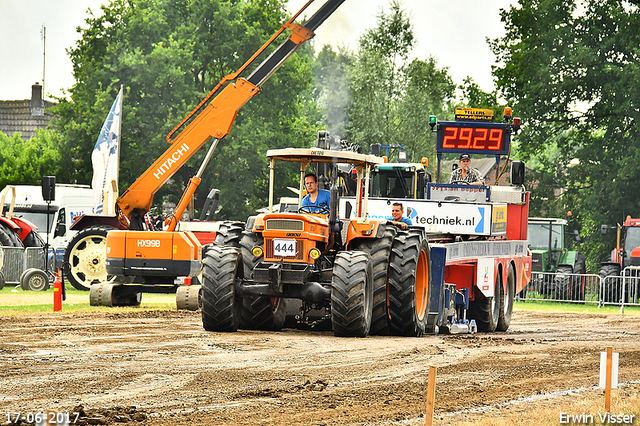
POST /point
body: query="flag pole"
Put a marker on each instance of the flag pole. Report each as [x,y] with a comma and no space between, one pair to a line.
[117,179]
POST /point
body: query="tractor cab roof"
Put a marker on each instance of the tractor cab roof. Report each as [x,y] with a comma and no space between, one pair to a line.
[546,221]
[318,155]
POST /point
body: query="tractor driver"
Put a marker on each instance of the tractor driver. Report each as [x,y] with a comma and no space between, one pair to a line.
[465,173]
[315,197]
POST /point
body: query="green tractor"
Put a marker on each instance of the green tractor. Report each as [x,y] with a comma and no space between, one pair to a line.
[548,242]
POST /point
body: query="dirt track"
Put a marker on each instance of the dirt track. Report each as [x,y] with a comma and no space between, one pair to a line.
[174,373]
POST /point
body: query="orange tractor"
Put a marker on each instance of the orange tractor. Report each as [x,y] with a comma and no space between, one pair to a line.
[360,276]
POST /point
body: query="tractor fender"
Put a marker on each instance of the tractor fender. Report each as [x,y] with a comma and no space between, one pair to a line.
[87,220]
[363,229]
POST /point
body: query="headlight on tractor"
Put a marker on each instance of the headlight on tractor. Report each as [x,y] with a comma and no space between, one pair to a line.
[257,251]
[314,253]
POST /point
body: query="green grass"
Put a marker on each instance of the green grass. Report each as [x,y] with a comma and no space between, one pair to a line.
[537,305]
[15,301]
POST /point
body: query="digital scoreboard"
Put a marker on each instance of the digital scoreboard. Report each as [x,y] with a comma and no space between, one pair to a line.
[473,138]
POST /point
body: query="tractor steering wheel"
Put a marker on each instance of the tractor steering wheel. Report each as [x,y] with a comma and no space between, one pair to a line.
[313,210]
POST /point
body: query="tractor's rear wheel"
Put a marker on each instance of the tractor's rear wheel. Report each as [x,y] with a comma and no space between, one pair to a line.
[352,294]
[379,249]
[612,291]
[85,257]
[504,319]
[486,310]
[409,283]
[9,237]
[228,233]
[259,313]
[577,282]
[562,281]
[221,306]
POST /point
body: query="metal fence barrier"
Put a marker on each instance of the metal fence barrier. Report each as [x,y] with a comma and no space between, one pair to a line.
[624,289]
[16,260]
[585,288]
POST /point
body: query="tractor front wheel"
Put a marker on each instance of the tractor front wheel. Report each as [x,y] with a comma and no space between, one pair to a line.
[221,306]
[259,313]
[352,294]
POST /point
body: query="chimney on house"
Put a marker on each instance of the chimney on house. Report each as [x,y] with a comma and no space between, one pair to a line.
[37,103]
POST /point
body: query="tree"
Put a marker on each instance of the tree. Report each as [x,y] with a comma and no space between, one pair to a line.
[168,54]
[391,95]
[25,162]
[573,71]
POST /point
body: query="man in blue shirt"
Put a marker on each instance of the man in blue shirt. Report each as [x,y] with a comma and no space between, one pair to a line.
[318,200]
[397,218]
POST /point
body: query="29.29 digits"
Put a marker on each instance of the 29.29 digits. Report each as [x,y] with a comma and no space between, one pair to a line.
[50,417]
[472,138]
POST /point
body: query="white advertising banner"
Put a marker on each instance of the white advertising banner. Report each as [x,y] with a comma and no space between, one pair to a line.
[434,216]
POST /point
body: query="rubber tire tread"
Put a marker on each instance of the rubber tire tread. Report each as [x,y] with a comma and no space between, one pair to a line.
[403,263]
[257,312]
[98,231]
[33,240]
[610,294]
[9,237]
[220,304]
[379,249]
[352,294]
[480,310]
[580,267]
[504,319]
[563,282]
[229,233]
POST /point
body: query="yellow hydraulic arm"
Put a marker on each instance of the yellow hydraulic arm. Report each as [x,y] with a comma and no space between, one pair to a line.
[215,120]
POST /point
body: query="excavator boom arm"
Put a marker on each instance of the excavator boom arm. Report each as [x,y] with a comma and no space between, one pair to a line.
[216,119]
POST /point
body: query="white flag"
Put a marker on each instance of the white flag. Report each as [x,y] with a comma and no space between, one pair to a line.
[105,158]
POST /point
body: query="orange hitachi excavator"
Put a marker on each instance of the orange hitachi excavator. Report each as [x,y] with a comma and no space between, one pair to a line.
[117,251]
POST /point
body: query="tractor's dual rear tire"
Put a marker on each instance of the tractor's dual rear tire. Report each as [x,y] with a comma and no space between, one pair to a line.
[259,313]
[86,257]
[379,249]
[352,294]
[506,302]
[486,310]
[409,283]
[221,306]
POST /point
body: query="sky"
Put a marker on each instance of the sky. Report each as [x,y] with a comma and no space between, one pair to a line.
[453,32]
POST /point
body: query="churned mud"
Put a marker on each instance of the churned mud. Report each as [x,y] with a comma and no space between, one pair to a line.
[162,368]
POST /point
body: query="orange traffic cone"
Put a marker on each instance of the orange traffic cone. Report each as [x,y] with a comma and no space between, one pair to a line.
[57,293]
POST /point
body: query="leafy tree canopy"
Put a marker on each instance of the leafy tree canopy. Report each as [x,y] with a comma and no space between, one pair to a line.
[168,54]
[572,69]
[25,162]
[391,95]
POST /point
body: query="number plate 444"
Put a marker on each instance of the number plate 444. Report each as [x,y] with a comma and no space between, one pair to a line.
[282,247]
